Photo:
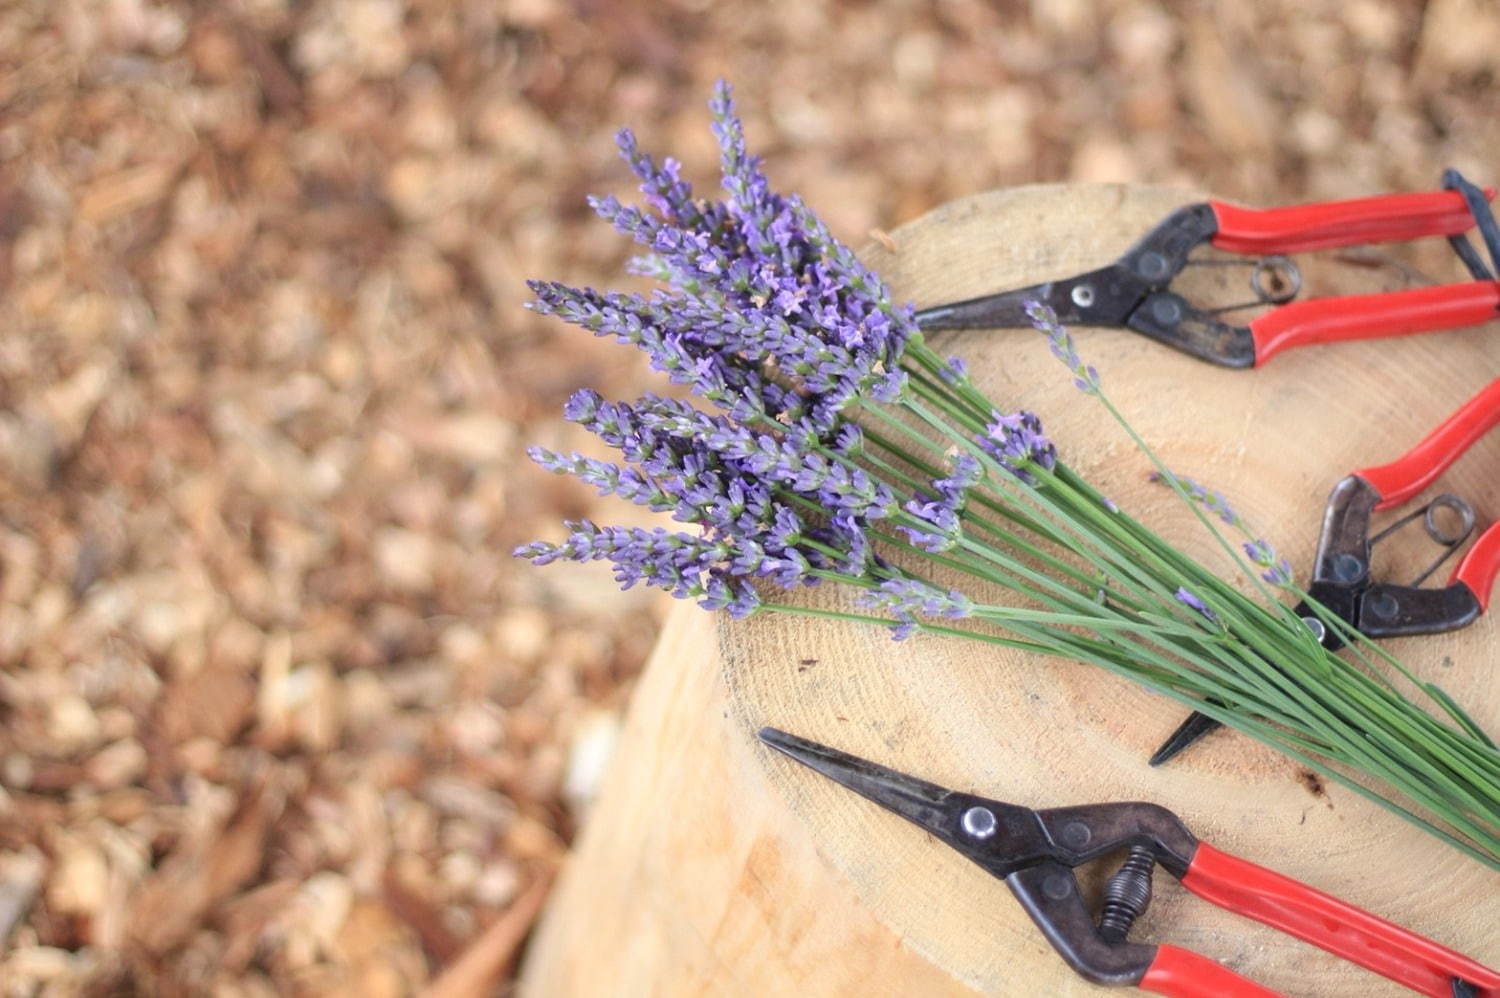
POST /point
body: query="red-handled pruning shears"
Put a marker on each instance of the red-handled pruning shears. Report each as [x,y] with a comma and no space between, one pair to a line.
[1134,292]
[1341,579]
[1035,853]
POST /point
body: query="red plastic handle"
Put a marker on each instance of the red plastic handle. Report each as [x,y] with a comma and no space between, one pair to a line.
[1364,317]
[1182,973]
[1352,933]
[1419,467]
[1481,566]
[1385,218]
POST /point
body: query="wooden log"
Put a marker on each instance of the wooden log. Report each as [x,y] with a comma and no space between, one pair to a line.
[710,866]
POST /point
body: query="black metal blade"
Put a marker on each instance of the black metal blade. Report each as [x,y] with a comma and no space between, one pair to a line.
[1103,297]
[1195,727]
[999,837]
[915,800]
[1006,310]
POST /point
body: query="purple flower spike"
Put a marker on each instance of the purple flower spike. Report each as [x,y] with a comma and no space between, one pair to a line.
[1085,377]
[1278,571]
[906,599]
[966,473]
[903,629]
[937,527]
[723,592]
[1016,442]
[767,315]
[954,371]
[1214,502]
[1192,602]
[663,186]
[776,324]
[850,440]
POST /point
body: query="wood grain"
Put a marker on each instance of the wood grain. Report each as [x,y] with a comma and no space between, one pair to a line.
[712,867]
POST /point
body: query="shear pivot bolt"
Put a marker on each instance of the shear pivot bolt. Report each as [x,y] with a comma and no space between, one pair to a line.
[1083,295]
[980,822]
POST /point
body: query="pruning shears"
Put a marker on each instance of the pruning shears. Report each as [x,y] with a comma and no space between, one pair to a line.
[1341,580]
[1135,291]
[1036,852]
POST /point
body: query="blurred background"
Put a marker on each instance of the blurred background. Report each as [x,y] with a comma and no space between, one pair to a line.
[279,714]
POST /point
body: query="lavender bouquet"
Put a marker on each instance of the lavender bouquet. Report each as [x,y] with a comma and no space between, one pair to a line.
[837,446]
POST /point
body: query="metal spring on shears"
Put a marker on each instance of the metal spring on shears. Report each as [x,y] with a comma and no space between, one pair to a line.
[1449,539]
[1126,895]
[1275,280]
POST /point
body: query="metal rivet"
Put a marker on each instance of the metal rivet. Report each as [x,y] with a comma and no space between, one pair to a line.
[1348,568]
[1076,834]
[980,822]
[1152,266]
[1083,295]
[1318,628]
[1384,605]
[1058,886]
[1166,310]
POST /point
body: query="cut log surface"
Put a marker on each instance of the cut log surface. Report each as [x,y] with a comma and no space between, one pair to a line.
[711,866]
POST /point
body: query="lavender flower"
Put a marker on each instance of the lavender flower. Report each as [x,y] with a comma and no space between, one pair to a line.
[966,473]
[1214,502]
[663,186]
[849,440]
[849,535]
[906,599]
[608,478]
[909,596]
[933,525]
[1192,602]
[736,596]
[1278,570]
[674,561]
[1085,377]
[767,316]
[1015,440]
[903,628]
[954,371]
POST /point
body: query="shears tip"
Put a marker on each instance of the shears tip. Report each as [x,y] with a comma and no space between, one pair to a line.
[809,753]
[1189,731]
[774,737]
[913,799]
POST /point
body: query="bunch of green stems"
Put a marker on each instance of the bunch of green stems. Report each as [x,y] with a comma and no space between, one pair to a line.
[1096,586]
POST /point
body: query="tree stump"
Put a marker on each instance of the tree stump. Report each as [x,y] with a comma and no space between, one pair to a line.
[713,866]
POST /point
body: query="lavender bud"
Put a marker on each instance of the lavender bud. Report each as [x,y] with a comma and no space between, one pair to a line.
[1085,377]
[1214,502]
[908,597]
[1016,442]
[954,371]
[1278,570]
[1192,602]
